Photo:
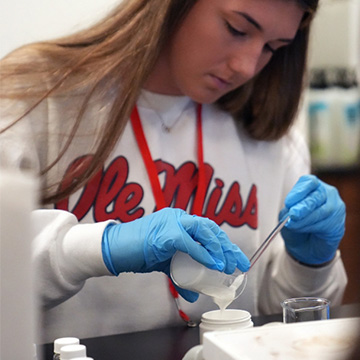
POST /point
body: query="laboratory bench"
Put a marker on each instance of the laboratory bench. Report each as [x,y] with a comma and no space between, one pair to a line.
[169,343]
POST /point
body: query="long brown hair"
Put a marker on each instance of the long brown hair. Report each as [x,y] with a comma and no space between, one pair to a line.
[119,53]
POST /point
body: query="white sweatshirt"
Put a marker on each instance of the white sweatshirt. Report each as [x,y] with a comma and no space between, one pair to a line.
[248,183]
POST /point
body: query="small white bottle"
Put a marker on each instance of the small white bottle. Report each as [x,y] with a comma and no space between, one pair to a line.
[59,343]
[322,137]
[347,113]
[70,352]
[228,319]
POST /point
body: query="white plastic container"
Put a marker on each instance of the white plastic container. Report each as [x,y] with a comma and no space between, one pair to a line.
[191,275]
[324,142]
[334,118]
[71,352]
[18,305]
[59,343]
[229,319]
[347,111]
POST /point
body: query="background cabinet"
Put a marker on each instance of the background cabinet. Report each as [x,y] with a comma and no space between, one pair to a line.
[348,184]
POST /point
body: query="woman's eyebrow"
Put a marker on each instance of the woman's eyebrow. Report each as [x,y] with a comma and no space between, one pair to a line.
[252,21]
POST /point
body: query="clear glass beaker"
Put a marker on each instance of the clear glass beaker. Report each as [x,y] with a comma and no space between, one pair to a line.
[305,309]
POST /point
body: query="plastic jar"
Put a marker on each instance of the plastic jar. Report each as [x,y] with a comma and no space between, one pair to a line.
[69,352]
[59,343]
[228,319]
[191,275]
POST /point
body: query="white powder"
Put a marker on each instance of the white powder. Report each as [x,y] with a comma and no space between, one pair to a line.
[224,298]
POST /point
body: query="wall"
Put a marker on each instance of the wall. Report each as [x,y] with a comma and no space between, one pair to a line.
[24,21]
[336,34]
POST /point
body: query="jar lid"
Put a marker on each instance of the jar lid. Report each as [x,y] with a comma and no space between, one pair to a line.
[226,316]
[59,343]
[72,351]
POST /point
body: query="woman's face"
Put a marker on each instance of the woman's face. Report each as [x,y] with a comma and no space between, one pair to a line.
[221,45]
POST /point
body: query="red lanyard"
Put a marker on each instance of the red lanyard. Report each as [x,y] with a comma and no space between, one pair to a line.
[155,183]
[151,168]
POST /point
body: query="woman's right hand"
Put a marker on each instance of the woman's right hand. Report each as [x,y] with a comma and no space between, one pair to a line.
[148,244]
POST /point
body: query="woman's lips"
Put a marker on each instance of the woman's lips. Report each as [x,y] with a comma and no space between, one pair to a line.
[219,83]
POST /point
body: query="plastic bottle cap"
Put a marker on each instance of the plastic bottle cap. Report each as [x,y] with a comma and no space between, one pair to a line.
[72,351]
[59,343]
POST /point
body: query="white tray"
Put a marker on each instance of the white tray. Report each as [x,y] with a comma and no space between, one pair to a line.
[313,340]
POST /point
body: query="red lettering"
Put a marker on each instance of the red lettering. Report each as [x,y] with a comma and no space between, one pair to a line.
[250,213]
[107,192]
[180,186]
[232,207]
[88,195]
[213,202]
[116,199]
[112,197]
[232,210]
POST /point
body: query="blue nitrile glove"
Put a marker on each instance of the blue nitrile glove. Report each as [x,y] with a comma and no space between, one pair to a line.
[148,244]
[317,221]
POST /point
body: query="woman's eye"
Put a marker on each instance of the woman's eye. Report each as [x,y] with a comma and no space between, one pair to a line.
[234,31]
[267,47]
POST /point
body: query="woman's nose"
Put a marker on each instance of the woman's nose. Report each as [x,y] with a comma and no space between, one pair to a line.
[245,62]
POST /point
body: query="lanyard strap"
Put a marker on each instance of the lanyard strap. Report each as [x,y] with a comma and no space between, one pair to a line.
[201,188]
[151,167]
[155,182]
[147,158]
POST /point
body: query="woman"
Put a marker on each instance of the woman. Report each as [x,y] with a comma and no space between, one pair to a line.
[211,89]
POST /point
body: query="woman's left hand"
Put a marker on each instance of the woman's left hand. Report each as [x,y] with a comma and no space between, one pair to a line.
[317,221]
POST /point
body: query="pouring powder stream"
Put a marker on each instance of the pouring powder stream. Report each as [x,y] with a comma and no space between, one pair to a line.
[228,295]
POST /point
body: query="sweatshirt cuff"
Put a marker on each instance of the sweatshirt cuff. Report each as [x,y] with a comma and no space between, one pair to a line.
[308,278]
[82,252]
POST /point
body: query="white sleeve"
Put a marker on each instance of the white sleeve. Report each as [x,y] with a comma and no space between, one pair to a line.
[284,276]
[66,253]
[287,278]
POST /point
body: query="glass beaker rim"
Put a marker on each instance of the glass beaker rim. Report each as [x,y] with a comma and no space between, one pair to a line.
[313,303]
